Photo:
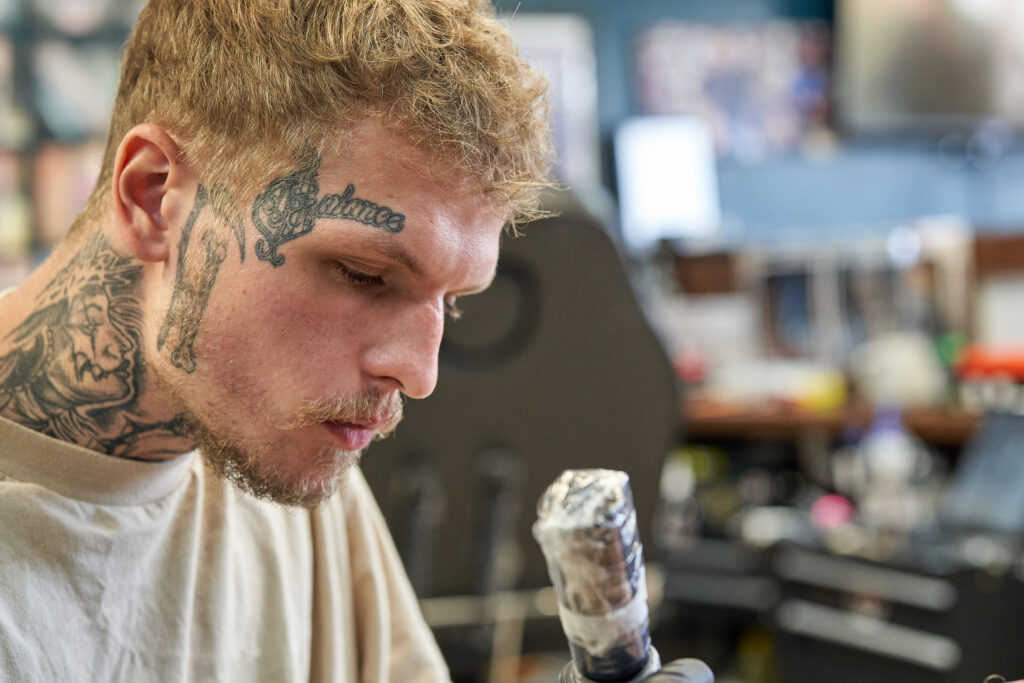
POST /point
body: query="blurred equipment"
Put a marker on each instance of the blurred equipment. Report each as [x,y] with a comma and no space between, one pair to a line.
[893,477]
[987,493]
[991,378]
[934,610]
[587,529]
[805,384]
[825,299]
[899,369]
[554,367]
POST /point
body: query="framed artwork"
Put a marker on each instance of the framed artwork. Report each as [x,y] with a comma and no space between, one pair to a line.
[761,88]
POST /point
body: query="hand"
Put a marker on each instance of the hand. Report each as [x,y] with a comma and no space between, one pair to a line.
[679,671]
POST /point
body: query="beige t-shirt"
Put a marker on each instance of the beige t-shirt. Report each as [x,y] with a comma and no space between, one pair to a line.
[120,570]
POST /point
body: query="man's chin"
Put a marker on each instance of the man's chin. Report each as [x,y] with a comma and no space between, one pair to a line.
[297,470]
[309,488]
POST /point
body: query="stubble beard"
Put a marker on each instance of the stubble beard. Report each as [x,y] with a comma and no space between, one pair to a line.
[251,466]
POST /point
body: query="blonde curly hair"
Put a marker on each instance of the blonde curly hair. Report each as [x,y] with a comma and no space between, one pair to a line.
[246,85]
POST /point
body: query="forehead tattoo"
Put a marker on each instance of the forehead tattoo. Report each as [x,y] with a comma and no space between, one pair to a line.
[291,205]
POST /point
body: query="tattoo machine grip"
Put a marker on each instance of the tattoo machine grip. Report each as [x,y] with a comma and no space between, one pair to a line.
[587,529]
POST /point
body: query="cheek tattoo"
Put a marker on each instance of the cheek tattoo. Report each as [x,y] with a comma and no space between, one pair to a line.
[193,283]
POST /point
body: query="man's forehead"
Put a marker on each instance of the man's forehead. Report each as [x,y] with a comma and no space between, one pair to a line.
[383,144]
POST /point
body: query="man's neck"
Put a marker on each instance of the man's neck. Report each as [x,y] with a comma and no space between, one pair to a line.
[71,355]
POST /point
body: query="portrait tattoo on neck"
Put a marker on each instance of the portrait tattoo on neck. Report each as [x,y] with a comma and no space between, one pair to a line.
[291,205]
[75,370]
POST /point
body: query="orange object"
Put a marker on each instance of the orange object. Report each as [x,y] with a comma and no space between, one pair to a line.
[978,362]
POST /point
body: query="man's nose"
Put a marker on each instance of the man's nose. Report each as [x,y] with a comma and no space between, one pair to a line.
[406,352]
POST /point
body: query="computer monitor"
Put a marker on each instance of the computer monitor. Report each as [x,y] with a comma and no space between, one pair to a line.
[667,179]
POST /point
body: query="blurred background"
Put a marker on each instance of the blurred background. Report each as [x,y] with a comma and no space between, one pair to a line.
[59,64]
[783,291]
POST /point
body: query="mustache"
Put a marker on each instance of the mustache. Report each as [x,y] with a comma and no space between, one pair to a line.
[372,407]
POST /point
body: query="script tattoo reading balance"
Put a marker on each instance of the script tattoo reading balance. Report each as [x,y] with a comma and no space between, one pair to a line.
[291,205]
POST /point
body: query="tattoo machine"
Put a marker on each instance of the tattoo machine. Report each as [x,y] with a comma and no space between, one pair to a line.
[587,530]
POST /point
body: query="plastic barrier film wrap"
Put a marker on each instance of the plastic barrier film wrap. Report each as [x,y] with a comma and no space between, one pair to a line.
[587,529]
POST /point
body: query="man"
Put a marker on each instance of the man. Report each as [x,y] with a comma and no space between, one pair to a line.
[293,197]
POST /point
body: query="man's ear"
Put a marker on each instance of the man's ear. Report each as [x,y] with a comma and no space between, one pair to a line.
[147,168]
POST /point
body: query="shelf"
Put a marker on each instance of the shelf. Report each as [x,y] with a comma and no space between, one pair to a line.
[709,419]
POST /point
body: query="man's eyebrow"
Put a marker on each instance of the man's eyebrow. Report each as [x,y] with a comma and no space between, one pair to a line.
[397,253]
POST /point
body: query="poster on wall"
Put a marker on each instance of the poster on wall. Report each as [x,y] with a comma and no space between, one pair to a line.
[762,88]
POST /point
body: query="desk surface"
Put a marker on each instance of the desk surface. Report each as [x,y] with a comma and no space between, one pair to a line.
[706,418]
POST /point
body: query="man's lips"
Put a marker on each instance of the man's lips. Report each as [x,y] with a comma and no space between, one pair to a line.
[353,436]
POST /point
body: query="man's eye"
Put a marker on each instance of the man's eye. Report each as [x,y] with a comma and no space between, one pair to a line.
[357,278]
[451,310]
